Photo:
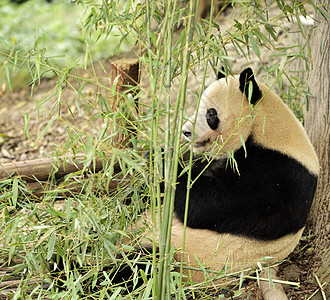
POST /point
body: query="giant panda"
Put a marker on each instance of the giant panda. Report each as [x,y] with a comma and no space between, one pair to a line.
[246,212]
[251,210]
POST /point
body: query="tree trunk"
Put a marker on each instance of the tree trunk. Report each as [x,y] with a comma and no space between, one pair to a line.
[317,123]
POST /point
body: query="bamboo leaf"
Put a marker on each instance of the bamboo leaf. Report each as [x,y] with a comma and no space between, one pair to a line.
[51,245]
[254,44]
[8,77]
[18,293]
[37,43]
[15,61]
[264,125]
[273,68]
[45,237]
[302,9]
[15,192]
[45,129]
[300,25]
[271,31]
[243,144]
[26,126]
[37,65]
[241,279]
[289,9]
[279,78]
[250,91]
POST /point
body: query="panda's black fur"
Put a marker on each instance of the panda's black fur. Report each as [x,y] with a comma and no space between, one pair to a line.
[269,198]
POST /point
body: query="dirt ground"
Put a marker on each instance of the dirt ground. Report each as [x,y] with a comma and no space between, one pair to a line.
[15,145]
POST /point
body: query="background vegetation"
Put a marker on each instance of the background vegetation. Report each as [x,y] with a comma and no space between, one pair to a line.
[55,33]
[88,228]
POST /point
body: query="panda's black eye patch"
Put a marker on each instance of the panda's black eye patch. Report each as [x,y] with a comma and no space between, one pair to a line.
[212,118]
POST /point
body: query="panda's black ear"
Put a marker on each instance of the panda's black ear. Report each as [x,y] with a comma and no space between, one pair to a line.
[221,73]
[244,79]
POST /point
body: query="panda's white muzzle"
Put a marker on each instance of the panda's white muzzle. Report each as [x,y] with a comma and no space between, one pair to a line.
[187,130]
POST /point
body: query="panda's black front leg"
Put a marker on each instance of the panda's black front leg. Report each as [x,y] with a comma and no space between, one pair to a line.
[204,194]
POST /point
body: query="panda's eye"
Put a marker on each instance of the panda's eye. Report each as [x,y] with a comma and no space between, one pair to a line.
[212,118]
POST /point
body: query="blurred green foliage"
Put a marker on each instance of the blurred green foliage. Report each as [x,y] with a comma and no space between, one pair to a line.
[56,29]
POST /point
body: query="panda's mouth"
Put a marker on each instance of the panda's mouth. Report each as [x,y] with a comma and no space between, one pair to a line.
[201,144]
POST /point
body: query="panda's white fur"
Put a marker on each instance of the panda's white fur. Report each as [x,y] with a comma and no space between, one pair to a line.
[270,124]
[289,136]
[208,249]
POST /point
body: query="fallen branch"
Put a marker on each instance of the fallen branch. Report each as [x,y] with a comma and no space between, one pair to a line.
[40,188]
[41,169]
[315,292]
[324,297]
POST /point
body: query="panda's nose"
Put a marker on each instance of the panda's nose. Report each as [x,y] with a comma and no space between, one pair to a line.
[186,133]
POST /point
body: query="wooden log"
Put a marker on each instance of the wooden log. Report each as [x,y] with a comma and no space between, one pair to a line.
[41,169]
[37,172]
[8,288]
[124,73]
[40,188]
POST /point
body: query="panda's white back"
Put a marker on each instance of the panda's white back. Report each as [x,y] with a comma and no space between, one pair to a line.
[277,128]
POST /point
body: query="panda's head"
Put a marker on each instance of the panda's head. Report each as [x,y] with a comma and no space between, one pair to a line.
[224,116]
